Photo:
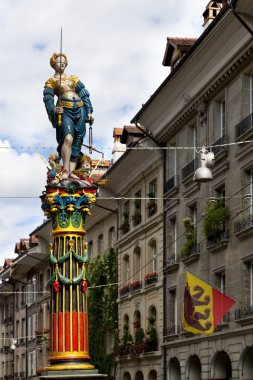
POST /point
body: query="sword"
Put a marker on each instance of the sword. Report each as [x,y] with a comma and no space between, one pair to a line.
[59,100]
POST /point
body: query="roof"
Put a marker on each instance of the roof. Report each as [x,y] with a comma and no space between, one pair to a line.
[117,132]
[26,243]
[182,44]
[8,262]
[183,60]
[131,130]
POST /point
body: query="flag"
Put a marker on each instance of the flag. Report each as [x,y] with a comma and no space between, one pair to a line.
[204,306]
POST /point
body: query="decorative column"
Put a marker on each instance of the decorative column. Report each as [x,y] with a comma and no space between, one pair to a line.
[67,205]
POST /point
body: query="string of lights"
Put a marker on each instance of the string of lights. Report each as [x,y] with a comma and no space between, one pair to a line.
[137,147]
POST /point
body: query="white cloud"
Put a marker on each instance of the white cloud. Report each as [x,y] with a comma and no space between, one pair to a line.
[115,47]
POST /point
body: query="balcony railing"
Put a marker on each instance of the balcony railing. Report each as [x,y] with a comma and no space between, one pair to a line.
[243,224]
[222,237]
[244,126]
[189,168]
[220,145]
[174,259]
[171,330]
[244,313]
[172,183]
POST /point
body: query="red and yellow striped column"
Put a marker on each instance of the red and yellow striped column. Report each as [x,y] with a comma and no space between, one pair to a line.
[68,282]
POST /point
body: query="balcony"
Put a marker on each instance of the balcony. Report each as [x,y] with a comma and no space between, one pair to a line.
[244,126]
[244,315]
[243,227]
[220,145]
[219,244]
[189,169]
[173,263]
[171,331]
[172,183]
[192,254]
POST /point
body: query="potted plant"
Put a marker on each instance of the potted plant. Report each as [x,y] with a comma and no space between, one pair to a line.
[214,220]
[124,290]
[136,285]
[190,235]
[150,278]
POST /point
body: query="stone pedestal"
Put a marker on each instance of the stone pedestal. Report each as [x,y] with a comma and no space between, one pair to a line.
[73,375]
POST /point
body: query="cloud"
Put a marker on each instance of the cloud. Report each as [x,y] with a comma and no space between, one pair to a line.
[114,47]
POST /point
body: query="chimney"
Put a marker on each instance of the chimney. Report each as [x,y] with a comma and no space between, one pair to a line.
[213,8]
[118,148]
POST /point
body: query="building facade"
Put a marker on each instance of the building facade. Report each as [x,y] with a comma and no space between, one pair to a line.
[207,101]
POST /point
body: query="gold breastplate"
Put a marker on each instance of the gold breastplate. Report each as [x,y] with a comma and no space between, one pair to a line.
[66,87]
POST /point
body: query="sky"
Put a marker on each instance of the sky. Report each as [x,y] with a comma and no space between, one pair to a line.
[114,47]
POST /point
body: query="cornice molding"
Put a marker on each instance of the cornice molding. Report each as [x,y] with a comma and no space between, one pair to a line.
[205,97]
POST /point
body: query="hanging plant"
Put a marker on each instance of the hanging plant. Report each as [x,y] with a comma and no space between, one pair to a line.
[214,220]
[190,235]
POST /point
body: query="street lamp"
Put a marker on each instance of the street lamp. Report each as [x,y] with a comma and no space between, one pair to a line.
[203,173]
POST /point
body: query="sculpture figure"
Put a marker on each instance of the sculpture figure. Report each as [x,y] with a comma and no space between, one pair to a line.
[70,114]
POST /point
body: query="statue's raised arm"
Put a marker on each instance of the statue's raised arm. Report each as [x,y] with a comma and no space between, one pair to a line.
[70,114]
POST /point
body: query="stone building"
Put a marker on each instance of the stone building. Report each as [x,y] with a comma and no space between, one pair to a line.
[25,308]
[207,101]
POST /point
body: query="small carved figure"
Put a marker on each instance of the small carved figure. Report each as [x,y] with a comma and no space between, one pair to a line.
[55,169]
[70,114]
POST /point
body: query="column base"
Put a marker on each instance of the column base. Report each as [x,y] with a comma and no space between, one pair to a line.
[73,375]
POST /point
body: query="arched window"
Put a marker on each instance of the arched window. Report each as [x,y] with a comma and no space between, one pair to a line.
[137,264]
[111,236]
[139,376]
[174,370]
[126,268]
[126,376]
[100,243]
[152,375]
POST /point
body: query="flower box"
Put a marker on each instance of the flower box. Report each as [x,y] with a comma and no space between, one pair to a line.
[150,278]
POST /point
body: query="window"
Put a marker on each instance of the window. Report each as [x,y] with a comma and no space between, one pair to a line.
[137,264]
[172,161]
[152,194]
[17,333]
[125,225]
[193,213]
[172,312]
[192,142]
[23,294]
[23,328]
[100,243]
[219,120]
[31,363]
[126,268]
[136,217]
[172,237]
[153,255]
[111,236]
[251,284]
[31,291]
[247,191]
[17,299]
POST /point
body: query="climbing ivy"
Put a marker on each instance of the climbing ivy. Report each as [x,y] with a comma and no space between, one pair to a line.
[103,311]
